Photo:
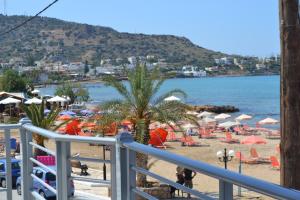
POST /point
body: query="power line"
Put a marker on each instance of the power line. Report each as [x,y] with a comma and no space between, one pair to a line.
[28,20]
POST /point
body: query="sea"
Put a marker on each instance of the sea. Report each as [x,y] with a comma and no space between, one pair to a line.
[258,96]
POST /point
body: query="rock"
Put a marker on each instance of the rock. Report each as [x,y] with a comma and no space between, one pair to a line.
[215,109]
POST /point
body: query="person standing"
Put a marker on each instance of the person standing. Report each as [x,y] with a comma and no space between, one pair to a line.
[188,178]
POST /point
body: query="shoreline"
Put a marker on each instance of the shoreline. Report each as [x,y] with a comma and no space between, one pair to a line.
[217,76]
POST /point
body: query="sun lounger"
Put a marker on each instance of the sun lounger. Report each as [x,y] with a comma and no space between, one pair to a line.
[241,157]
[254,155]
[206,134]
[229,139]
[274,163]
[189,141]
[172,137]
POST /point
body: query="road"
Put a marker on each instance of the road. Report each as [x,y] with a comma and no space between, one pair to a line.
[78,196]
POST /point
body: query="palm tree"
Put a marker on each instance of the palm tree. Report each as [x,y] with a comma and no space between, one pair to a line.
[37,116]
[141,105]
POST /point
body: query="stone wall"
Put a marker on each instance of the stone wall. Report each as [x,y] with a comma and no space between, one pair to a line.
[161,192]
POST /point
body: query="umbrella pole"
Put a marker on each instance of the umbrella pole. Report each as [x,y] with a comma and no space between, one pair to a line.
[240,172]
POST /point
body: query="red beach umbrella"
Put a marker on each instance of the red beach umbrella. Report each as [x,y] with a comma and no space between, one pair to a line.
[158,137]
[72,128]
[253,140]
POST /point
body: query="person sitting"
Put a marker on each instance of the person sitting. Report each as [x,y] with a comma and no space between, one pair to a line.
[188,178]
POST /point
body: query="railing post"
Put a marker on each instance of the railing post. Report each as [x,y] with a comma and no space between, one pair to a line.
[26,153]
[113,175]
[62,170]
[127,160]
[225,190]
[8,165]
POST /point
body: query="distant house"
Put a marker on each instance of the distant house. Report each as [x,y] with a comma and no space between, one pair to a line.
[260,66]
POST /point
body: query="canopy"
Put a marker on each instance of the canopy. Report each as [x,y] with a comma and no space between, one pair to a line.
[158,137]
[266,121]
[172,98]
[35,91]
[253,140]
[243,117]
[57,99]
[34,100]
[205,114]
[192,113]
[222,116]
[67,112]
[10,100]
[229,124]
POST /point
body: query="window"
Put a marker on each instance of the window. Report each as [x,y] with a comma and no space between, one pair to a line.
[50,177]
[1,166]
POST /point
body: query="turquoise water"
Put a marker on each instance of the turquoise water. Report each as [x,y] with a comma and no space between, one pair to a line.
[254,95]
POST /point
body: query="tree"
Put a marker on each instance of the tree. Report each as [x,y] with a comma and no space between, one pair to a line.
[36,114]
[66,89]
[141,105]
[86,67]
[13,82]
[290,96]
[75,91]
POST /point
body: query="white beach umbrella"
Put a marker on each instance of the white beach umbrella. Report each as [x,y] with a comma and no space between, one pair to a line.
[192,113]
[222,116]
[204,114]
[243,117]
[229,124]
[35,91]
[34,100]
[57,99]
[10,100]
[208,120]
[268,121]
[172,98]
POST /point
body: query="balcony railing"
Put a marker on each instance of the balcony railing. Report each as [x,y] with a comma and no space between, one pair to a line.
[122,167]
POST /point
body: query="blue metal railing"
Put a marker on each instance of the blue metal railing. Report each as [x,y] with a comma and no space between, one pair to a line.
[123,168]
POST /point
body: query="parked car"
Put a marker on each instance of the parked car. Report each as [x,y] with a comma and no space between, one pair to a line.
[48,178]
[15,171]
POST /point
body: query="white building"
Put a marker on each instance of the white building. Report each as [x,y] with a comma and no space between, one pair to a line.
[191,71]
[132,60]
[260,66]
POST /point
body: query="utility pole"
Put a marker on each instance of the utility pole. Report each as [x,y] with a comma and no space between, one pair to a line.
[4,7]
[290,93]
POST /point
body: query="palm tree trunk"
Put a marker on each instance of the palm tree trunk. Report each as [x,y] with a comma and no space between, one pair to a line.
[142,136]
[290,96]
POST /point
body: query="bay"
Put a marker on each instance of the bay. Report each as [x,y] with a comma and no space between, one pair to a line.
[258,96]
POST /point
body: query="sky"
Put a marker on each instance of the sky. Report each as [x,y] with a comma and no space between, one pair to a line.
[244,27]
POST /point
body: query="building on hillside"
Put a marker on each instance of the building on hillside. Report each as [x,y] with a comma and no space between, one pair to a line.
[132,60]
[260,66]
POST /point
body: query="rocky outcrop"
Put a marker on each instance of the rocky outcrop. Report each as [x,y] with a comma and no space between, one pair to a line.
[215,109]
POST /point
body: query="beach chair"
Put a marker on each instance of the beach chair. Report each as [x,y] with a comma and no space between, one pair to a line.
[189,141]
[206,134]
[241,157]
[274,163]
[172,137]
[254,155]
[229,139]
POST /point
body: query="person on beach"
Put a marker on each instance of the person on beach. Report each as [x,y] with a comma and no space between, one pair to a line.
[188,178]
[180,179]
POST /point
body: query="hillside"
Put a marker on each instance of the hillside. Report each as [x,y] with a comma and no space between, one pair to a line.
[54,40]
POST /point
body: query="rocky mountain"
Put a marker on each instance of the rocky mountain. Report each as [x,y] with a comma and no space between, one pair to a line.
[58,40]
